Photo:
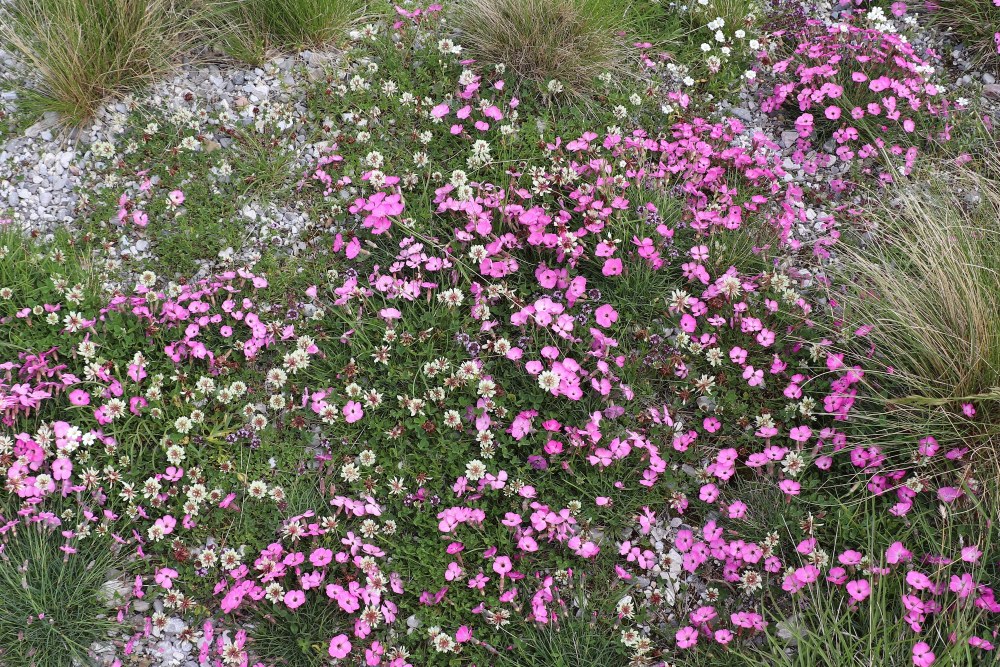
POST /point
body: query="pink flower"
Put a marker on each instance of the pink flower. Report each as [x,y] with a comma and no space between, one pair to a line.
[295,599]
[340,646]
[61,469]
[837,575]
[898,9]
[606,315]
[833,112]
[800,433]
[709,493]
[320,557]
[165,576]
[918,580]
[176,197]
[687,637]
[79,397]
[353,412]
[737,510]
[859,589]
[804,125]
[612,267]
[502,565]
[790,487]
[971,554]
[897,553]
[949,494]
[922,655]
[849,557]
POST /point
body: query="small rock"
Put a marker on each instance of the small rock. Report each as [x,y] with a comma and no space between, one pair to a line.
[989,79]
[49,120]
[742,114]
[992,91]
[114,592]
[788,138]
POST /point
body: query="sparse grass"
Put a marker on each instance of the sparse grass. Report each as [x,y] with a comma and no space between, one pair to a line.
[263,165]
[680,33]
[85,52]
[295,639]
[570,41]
[826,631]
[927,279]
[51,605]
[572,642]
[974,23]
[251,29]
[735,13]
[26,268]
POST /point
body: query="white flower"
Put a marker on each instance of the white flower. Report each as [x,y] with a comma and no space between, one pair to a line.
[183,424]
[475,470]
[548,380]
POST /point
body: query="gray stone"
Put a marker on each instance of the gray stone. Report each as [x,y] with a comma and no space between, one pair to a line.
[742,114]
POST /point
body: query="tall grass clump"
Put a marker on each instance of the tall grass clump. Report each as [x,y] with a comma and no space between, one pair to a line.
[251,29]
[84,52]
[826,628]
[571,642]
[555,44]
[52,607]
[976,24]
[927,280]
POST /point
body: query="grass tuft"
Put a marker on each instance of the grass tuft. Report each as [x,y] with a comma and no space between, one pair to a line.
[928,280]
[569,41]
[52,607]
[976,24]
[252,29]
[85,52]
[575,641]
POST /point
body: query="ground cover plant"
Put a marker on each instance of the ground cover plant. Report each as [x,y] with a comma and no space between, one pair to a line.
[544,333]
